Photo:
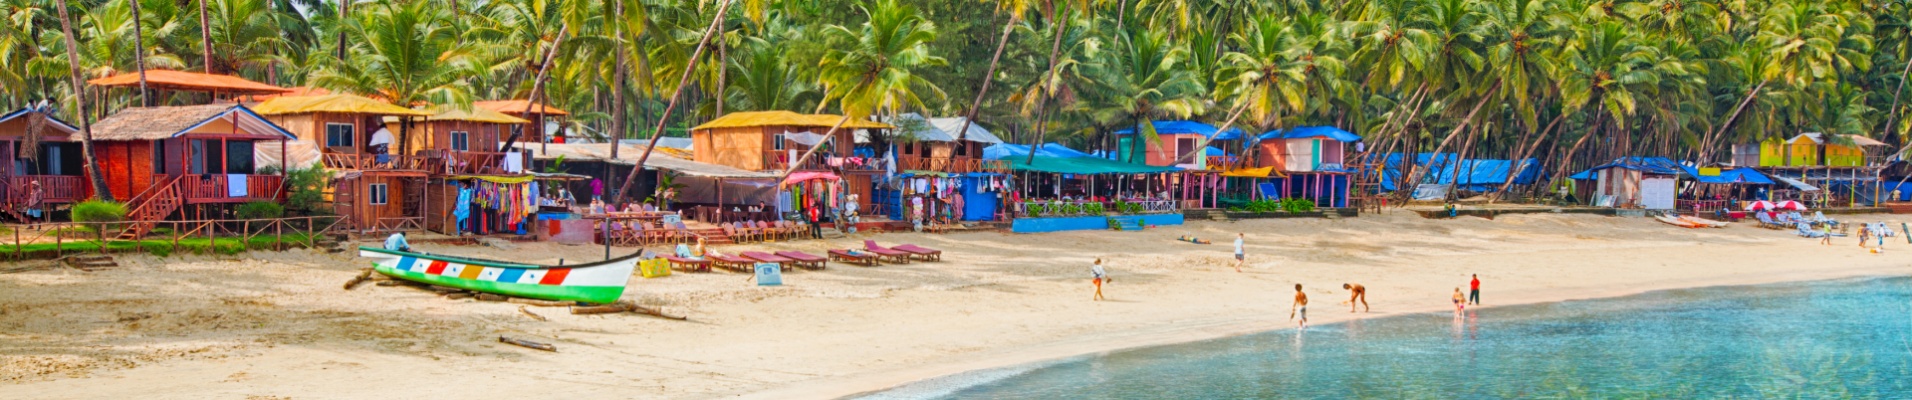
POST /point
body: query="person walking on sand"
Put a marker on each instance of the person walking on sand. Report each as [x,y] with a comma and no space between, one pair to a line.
[1865,233]
[1825,234]
[1460,303]
[1098,276]
[1356,292]
[1240,257]
[1473,294]
[1300,307]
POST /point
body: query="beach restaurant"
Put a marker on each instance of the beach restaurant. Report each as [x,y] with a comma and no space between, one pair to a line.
[1654,183]
[1444,174]
[1064,189]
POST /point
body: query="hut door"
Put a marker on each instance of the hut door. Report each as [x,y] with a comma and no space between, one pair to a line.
[345,200]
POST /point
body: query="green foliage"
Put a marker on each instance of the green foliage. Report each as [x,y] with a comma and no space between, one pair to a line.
[162,247]
[1284,205]
[305,191]
[99,211]
[1297,205]
[260,210]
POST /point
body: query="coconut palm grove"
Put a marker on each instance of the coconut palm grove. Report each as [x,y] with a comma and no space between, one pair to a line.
[1570,83]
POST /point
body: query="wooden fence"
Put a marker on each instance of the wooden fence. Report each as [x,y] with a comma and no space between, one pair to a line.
[306,231]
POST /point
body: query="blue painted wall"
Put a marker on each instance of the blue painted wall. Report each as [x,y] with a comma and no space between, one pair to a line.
[1039,225]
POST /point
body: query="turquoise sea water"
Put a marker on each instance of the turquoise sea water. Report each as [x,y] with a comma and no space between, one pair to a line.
[1832,339]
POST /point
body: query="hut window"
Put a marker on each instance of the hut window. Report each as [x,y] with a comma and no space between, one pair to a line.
[159,157]
[776,141]
[239,157]
[206,156]
[460,140]
[376,193]
[339,135]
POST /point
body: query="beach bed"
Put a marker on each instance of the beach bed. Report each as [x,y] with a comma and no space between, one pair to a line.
[805,260]
[859,259]
[886,254]
[923,253]
[733,263]
[688,264]
[782,262]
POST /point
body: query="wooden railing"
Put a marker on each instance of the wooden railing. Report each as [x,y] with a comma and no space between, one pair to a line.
[370,162]
[942,164]
[214,188]
[473,162]
[53,188]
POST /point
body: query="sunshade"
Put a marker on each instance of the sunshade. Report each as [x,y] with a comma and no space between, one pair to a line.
[333,103]
[1262,172]
[475,114]
[188,81]
[517,106]
[382,136]
[1082,165]
[1789,205]
[808,176]
[1759,205]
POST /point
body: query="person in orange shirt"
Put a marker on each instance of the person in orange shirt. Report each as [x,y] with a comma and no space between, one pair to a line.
[1473,294]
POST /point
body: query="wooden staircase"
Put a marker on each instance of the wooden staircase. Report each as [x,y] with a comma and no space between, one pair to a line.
[152,206]
[712,236]
[90,263]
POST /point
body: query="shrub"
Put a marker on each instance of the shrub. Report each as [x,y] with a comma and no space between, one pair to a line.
[260,210]
[99,211]
[305,191]
[1297,205]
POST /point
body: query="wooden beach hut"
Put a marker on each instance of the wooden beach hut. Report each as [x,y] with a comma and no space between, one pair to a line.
[771,140]
[533,129]
[375,192]
[1176,140]
[931,144]
[200,160]
[54,162]
[467,141]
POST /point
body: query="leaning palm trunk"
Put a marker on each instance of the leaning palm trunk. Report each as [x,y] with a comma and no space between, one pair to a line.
[205,36]
[537,84]
[1042,88]
[1705,152]
[1200,147]
[1515,173]
[988,76]
[1416,175]
[689,69]
[79,99]
[139,54]
[619,75]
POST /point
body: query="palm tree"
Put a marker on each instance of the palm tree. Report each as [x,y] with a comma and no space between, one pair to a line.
[1014,10]
[79,101]
[408,54]
[1140,81]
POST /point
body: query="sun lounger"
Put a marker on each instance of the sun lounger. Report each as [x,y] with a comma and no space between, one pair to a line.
[868,260]
[734,263]
[805,260]
[887,254]
[782,262]
[923,253]
[688,264]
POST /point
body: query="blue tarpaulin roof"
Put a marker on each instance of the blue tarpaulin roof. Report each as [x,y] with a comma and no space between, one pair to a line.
[1005,150]
[1188,127]
[1666,166]
[1478,175]
[1214,152]
[1305,132]
[1082,165]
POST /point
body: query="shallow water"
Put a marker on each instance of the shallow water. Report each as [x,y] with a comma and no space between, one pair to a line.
[1832,339]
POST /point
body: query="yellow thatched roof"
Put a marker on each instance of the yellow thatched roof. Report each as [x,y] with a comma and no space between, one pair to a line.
[333,103]
[750,119]
[447,113]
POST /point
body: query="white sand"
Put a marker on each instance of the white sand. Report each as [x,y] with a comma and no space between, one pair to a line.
[277,325]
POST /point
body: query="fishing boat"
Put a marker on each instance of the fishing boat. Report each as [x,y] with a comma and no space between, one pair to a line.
[597,282]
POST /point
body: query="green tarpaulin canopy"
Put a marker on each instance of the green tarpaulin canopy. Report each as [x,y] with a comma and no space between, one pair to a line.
[1081,165]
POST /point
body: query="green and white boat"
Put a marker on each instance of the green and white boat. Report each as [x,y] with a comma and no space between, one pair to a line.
[598,282]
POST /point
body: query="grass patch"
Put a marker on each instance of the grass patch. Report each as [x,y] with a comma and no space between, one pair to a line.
[162,248]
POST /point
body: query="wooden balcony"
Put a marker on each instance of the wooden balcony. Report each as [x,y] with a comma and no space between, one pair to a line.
[215,188]
[371,162]
[778,160]
[470,162]
[954,165]
[53,189]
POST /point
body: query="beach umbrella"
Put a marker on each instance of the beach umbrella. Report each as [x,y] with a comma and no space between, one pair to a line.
[1759,205]
[1789,205]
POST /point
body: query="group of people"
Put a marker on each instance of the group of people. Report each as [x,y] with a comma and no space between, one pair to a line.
[1298,311]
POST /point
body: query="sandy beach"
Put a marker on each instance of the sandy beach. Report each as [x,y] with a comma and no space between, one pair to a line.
[276,325]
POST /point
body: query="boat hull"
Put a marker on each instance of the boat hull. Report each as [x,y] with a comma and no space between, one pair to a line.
[590,283]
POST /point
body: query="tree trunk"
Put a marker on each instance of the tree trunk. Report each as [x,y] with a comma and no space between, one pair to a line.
[537,86]
[1042,87]
[722,68]
[1202,146]
[689,69]
[1523,155]
[1417,175]
[619,73]
[79,99]
[345,12]
[1891,123]
[1706,153]
[988,76]
[139,53]
[205,36]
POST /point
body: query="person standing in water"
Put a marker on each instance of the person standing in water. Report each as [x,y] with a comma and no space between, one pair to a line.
[1357,292]
[1300,307]
[1098,275]
[1473,294]
[1460,303]
[1240,257]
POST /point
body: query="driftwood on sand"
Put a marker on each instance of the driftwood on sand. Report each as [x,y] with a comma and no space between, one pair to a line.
[527,312]
[364,275]
[622,307]
[542,303]
[527,344]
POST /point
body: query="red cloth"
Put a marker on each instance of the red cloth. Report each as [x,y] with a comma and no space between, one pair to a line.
[1476,284]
